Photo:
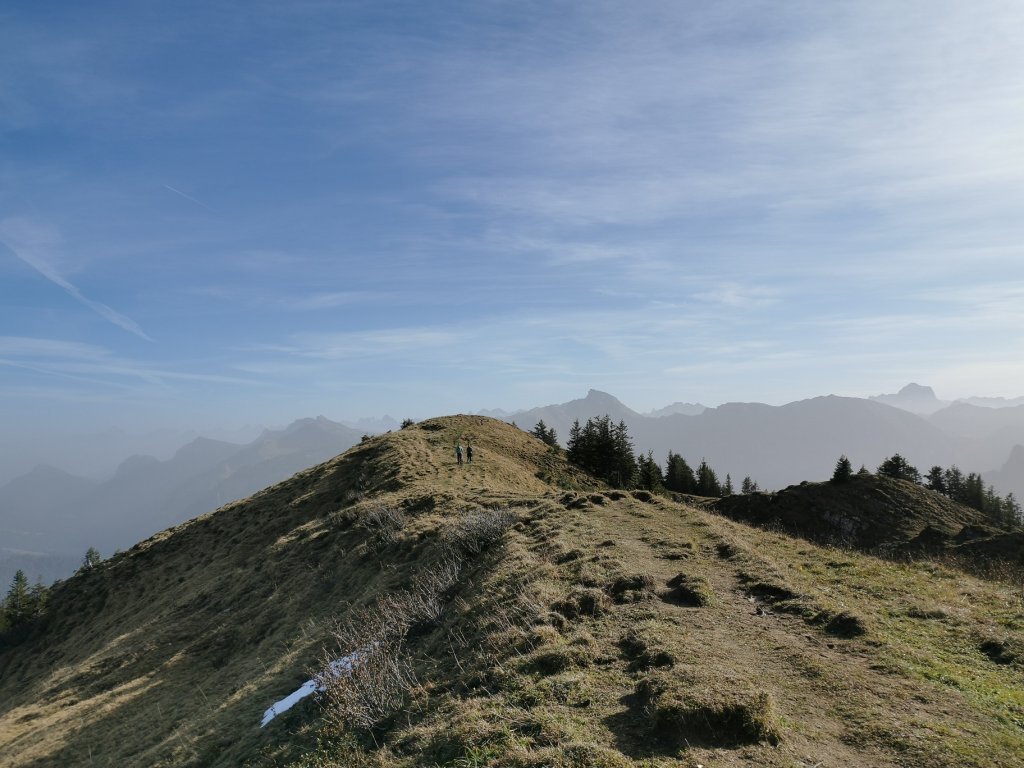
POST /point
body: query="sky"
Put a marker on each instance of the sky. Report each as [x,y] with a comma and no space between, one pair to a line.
[224,213]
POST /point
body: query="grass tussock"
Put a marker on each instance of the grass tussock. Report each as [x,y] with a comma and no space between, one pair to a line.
[689,590]
[633,588]
[644,648]
[583,602]
[685,711]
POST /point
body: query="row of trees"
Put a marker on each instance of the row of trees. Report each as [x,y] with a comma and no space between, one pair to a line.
[969,490]
[24,603]
[605,450]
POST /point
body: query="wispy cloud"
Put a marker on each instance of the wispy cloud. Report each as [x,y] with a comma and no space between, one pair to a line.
[26,346]
[332,299]
[189,197]
[23,240]
[100,368]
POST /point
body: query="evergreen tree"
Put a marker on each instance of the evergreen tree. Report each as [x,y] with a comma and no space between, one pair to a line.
[749,486]
[91,560]
[648,475]
[863,471]
[604,449]
[542,432]
[573,446]
[973,493]
[38,598]
[1013,510]
[727,488]
[843,471]
[707,481]
[899,468]
[18,603]
[678,475]
[936,479]
[953,480]
[624,472]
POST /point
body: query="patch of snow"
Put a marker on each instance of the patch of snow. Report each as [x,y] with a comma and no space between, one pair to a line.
[338,667]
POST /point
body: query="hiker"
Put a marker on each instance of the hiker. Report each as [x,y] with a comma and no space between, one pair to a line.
[458,453]
[469,453]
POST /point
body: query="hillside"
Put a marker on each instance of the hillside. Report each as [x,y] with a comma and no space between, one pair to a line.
[49,512]
[582,627]
[869,512]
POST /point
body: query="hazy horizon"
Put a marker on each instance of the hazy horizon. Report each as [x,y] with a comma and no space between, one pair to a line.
[214,215]
[96,452]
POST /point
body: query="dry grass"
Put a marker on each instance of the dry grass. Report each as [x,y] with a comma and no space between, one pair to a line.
[605,630]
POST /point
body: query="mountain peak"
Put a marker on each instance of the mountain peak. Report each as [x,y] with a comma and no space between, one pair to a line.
[915,398]
[918,390]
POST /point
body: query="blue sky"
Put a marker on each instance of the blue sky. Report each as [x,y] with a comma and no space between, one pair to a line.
[218,213]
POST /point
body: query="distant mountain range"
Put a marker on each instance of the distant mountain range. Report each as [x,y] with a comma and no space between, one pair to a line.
[919,399]
[49,517]
[781,445]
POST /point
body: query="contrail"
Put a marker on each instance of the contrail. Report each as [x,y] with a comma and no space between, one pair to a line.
[112,315]
[189,197]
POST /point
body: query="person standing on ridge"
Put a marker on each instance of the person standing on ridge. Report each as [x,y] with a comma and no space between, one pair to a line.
[469,452]
[458,453]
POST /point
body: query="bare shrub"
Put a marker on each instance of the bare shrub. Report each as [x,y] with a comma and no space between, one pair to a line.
[370,687]
[477,531]
[430,585]
[383,524]
[365,677]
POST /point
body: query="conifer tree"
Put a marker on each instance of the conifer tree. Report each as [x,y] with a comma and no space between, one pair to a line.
[973,494]
[91,560]
[678,475]
[544,433]
[648,475]
[38,598]
[18,603]
[604,449]
[707,481]
[843,471]
[953,480]
[748,485]
[899,468]
[936,479]
[1013,510]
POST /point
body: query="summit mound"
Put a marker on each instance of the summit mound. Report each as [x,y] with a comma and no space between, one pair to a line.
[582,626]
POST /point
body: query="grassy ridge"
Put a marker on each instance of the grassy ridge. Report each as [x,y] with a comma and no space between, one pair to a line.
[604,630]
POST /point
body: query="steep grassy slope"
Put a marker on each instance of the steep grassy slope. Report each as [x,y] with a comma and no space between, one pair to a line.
[606,629]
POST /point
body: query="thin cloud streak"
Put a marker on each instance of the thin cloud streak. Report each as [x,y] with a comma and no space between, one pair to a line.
[39,265]
[189,197]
